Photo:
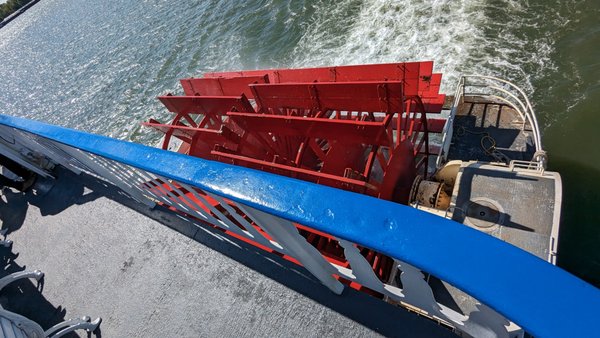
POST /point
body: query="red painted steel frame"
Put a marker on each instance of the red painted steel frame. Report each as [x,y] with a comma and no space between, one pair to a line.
[359,128]
[418,77]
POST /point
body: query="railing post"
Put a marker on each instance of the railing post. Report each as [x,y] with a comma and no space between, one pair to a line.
[284,232]
[361,268]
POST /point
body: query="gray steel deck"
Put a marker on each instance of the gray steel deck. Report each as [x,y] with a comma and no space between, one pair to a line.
[514,207]
[105,255]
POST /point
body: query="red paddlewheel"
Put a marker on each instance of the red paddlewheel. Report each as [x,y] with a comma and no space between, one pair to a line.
[358,128]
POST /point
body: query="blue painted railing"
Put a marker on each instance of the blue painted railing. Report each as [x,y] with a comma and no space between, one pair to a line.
[545,300]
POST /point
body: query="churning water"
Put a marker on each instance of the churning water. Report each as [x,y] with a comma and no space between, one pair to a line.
[98,66]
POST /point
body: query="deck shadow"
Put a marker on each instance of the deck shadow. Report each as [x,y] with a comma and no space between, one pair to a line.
[368,311]
[25,296]
[49,197]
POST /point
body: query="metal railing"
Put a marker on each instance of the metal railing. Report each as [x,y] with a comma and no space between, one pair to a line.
[500,90]
[448,130]
[263,208]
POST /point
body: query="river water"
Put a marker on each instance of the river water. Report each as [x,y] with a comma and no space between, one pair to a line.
[98,66]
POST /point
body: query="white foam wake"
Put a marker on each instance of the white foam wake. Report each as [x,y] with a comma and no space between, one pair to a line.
[454,34]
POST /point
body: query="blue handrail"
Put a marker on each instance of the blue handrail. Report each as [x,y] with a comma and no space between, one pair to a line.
[545,300]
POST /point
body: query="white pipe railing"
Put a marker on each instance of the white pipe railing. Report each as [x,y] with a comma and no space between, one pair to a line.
[449,125]
[528,109]
[508,93]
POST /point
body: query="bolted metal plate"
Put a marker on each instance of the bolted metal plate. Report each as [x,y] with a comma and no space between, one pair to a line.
[483,213]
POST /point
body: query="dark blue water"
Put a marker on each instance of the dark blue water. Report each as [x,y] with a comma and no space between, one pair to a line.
[98,66]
